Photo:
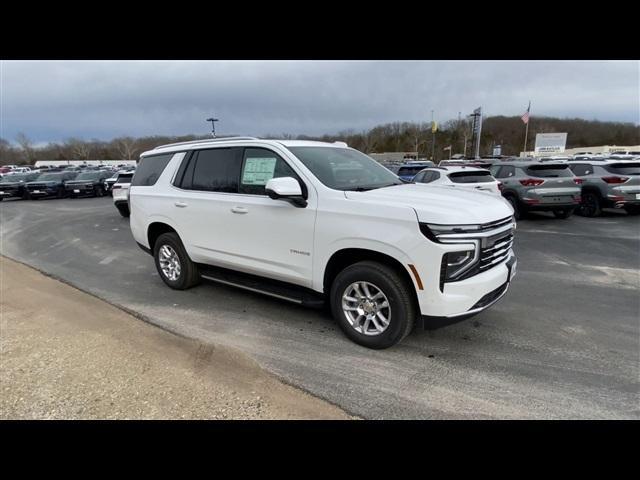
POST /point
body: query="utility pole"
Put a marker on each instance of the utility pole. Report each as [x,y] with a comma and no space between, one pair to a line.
[213,126]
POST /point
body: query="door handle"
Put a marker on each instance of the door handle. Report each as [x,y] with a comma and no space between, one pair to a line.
[180,204]
[239,210]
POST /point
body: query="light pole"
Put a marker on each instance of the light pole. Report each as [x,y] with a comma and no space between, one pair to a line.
[213,126]
[433,139]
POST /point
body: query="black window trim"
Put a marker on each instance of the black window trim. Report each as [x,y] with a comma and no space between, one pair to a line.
[191,154]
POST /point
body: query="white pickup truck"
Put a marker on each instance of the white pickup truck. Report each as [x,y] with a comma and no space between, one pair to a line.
[314,223]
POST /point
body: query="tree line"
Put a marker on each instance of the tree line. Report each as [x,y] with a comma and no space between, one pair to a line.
[508,132]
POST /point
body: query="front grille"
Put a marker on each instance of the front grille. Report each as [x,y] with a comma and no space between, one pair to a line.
[37,187]
[496,253]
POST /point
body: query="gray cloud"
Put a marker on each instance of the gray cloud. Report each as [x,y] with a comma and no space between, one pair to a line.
[53,100]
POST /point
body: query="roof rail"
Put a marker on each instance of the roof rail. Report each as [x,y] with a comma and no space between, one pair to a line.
[205,140]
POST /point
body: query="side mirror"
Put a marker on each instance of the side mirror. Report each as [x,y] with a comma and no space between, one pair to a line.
[287,189]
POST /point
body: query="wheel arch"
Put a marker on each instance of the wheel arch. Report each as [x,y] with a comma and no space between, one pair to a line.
[157,228]
[345,257]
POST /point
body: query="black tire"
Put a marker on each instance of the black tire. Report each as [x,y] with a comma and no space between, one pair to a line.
[124,210]
[563,212]
[99,191]
[26,196]
[591,205]
[189,275]
[632,209]
[60,194]
[517,210]
[398,292]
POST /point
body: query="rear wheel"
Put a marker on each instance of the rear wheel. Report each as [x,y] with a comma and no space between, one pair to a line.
[517,210]
[632,209]
[563,212]
[123,209]
[372,304]
[173,264]
[591,205]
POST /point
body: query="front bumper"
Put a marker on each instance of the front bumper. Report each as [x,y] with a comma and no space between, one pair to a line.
[8,193]
[486,301]
[43,192]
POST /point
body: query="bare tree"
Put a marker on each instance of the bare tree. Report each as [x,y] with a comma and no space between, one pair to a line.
[28,152]
[127,147]
[79,149]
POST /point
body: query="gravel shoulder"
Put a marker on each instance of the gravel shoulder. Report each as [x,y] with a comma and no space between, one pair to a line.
[65,354]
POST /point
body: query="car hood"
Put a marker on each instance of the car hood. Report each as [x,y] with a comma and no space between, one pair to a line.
[42,182]
[80,182]
[441,205]
[10,184]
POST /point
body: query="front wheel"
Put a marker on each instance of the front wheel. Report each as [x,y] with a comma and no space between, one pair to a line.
[372,304]
[563,212]
[173,264]
[99,191]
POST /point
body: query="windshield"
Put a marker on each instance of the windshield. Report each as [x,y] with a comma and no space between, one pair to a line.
[49,177]
[478,176]
[88,176]
[16,177]
[628,168]
[545,171]
[345,169]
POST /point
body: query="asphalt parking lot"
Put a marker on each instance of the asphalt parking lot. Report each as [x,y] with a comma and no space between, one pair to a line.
[563,343]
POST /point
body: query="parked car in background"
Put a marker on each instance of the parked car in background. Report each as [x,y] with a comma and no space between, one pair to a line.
[409,170]
[315,222]
[121,192]
[89,183]
[113,178]
[608,184]
[14,185]
[539,186]
[469,178]
[49,185]
[467,163]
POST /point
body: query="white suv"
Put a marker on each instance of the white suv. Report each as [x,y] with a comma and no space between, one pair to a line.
[311,222]
[470,178]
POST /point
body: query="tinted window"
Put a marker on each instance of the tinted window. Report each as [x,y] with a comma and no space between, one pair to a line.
[494,170]
[50,177]
[546,171]
[216,170]
[418,178]
[506,171]
[628,168]
[149,169]
[581,170]
[409,171]
[124,177]
[259,166]
[470,177]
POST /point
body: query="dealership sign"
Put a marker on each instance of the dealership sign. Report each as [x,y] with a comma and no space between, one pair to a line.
[550,142]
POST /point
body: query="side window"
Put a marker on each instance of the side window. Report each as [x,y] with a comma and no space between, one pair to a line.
[215,170]
[149,169]
[506,172]
[434,176]
[494,170]
[419,177]
[259,166]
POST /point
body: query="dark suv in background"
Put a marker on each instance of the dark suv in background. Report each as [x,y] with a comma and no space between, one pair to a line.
[538,186]
[49,185]
[608,184]
[409,170]
[14,185]
[89,183]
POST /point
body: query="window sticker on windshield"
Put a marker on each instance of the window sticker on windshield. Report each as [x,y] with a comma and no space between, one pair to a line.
[257,171]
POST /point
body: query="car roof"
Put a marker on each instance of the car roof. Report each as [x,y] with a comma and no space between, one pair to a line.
[458,168]
[203,143]
[521,163]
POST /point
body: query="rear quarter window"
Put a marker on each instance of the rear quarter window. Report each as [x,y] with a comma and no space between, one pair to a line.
[149,170]
[470,177]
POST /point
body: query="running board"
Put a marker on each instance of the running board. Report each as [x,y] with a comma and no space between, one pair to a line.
[266,286]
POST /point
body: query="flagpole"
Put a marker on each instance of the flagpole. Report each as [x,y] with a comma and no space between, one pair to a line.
[526,131]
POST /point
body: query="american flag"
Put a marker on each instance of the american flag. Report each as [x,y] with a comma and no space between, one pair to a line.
[525,117]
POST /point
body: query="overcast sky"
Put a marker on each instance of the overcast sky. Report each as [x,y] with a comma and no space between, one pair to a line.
[53,100]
